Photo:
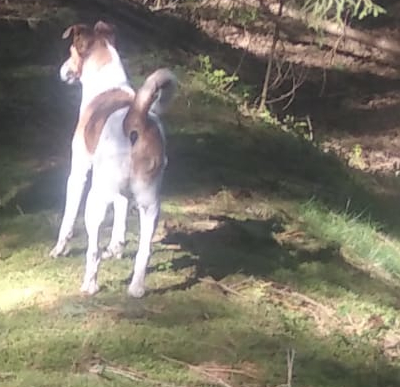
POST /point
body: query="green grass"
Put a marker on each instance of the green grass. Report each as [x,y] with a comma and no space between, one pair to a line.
[296,273]
[366,246]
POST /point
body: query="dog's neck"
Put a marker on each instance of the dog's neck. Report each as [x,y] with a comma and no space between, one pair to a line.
[95,81]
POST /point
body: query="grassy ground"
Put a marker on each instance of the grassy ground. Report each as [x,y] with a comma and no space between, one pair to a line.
[266,245]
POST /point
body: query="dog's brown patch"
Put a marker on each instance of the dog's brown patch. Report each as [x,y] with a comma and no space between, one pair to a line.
[147,152]
[93,119]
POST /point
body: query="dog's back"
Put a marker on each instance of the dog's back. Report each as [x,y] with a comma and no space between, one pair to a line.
[126,137]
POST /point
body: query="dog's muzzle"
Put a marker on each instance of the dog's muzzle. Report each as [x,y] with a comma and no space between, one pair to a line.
[67,75]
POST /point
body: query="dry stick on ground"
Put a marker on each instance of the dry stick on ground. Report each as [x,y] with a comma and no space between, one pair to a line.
[275,288]
[310,128]
[208,372]
[222,286]
[229,370]
[245,281]
[320,320]
[128,373]
[290,362]
[159,7]
[301,297]
[328,315]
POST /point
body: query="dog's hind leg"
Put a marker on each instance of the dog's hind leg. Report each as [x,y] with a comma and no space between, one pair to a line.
[116,246]
[95,211]
[148,216]
[75,185]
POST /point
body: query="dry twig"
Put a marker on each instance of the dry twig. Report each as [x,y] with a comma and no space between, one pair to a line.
[210,372]
[222,286]
[242,283]
[290,362]
[302,297]
[102,368]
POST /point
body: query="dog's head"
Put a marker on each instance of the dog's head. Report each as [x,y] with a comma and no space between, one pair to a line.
[89,45]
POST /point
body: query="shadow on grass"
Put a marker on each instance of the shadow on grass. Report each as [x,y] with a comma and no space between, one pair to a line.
[277,164]
[249,247]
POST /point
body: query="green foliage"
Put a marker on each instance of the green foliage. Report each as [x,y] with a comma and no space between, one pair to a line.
[164,266]
[356,159]
[216,79]
[357,150]
[338,11]
[268,117]
[289,123]
[360,238]
[298,127]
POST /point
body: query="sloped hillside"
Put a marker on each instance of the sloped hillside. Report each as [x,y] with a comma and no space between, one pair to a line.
[274,264]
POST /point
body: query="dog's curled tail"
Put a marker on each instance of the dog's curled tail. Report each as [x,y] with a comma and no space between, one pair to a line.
[154,96]
[156,92]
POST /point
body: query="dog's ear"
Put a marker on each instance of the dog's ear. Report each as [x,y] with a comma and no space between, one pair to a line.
[75,29]
[67,33]
[82,36]
[102,27]
[105,29]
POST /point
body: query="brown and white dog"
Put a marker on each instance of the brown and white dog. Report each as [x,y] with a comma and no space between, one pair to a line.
[120,137]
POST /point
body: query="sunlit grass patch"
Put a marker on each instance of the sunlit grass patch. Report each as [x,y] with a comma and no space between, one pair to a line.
[359,238]
[12,299]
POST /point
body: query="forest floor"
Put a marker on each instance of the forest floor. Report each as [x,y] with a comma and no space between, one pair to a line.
[274,263]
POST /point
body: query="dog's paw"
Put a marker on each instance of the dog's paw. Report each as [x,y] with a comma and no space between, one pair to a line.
[59,250]
[90,287]
[136,290]
[113,251]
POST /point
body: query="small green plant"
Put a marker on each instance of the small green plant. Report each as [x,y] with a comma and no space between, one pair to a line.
[295,126]
[268,117]
[356,157]
[217,79]
[164,266]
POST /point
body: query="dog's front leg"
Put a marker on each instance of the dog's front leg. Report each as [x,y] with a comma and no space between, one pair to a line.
[80,167]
